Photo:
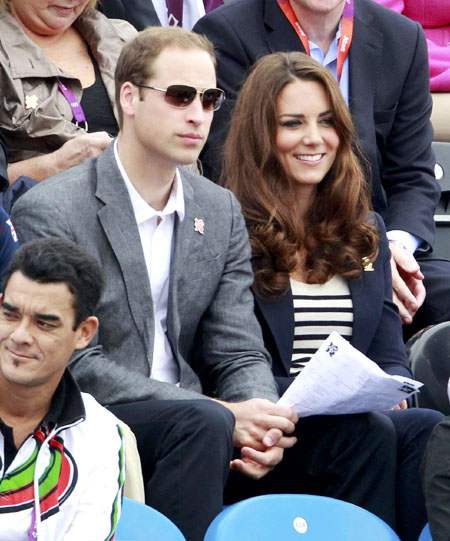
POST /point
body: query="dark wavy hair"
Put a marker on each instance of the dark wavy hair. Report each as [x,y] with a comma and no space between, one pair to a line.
[57,260]
[336,234]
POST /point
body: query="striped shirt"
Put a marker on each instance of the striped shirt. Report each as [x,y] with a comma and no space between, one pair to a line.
[319,309]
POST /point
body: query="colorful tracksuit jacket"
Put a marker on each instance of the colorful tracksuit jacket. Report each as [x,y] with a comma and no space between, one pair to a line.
[75,461]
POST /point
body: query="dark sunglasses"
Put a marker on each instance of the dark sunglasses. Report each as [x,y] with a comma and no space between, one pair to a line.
[184,95]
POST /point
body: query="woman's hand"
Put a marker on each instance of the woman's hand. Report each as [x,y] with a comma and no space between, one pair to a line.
[71,153]
[77,149]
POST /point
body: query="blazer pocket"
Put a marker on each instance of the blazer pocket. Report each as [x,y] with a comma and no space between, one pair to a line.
[385,116]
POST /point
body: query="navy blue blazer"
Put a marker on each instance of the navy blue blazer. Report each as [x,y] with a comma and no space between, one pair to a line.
[389,98]
[140,13]
[377,328]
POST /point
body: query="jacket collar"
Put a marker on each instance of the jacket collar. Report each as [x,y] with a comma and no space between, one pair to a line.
[280,35]
[67,405]
[119,226]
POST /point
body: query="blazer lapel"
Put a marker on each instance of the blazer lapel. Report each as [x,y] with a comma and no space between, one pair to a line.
[186,241]
[364,64]
[280,35]
[119,225]
[367,305]
[279,316]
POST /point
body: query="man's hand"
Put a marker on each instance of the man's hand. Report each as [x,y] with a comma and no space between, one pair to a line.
[257,420]
[256,464]
[408,290]
[260,432]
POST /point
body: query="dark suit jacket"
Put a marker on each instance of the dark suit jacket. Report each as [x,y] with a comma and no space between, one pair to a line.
[389,98]
[140,13]
[376,324]
[210,322]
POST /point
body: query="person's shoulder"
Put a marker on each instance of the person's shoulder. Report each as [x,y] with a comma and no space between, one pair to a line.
[96,413]
[68,186]
[100,427]
[203,189]
[384,16]
[102,25]
[232,11]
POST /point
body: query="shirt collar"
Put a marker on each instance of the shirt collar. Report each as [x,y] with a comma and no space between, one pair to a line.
[142,210]
[332,53]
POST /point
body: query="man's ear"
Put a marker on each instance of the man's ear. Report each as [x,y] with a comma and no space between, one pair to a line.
[129,95]
[86,330]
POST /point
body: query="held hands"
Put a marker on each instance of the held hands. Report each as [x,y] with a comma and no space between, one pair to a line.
[407,283]
[260,432]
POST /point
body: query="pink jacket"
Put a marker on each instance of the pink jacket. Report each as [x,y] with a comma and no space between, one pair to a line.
[434,16]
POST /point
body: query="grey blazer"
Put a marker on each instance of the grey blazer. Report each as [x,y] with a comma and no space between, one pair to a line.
[211,327]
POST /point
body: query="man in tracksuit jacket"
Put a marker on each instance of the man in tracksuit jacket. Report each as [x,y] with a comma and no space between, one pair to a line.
[61,453]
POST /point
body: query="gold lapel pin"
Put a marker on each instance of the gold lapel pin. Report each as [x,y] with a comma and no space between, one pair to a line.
[31,102]
[368,266]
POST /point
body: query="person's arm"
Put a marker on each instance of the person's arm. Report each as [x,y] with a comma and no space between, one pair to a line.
[387,348]
[407,170]
[111,383]
[71,153]
[229,347]
[407,175]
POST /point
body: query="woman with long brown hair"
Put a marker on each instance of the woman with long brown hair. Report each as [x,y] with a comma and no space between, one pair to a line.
[320,256]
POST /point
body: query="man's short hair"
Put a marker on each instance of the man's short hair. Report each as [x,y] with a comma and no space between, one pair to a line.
[57,260]
[138,56]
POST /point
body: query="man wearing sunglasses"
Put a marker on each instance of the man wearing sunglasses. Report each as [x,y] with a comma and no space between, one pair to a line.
[176,319]
[177,300]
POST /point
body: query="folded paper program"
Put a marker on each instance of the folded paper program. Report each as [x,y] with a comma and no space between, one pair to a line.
[339,379]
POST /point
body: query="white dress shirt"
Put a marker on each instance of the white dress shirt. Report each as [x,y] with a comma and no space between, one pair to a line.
[156,233]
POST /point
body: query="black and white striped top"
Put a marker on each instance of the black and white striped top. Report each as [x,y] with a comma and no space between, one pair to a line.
[319,309]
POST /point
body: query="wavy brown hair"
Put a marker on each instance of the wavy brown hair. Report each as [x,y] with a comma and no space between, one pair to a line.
[336,234]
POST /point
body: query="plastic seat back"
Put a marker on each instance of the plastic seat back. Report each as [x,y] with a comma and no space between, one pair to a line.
[442,214]
[297,517]
[139,522]
[425,534]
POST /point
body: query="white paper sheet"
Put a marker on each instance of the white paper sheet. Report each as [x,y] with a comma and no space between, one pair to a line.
[340,379]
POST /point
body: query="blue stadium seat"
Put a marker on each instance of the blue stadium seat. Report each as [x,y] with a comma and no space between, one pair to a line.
[297,517]
[426,534]
[140,522]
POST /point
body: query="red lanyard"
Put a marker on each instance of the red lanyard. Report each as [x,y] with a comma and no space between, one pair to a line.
[346,31]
